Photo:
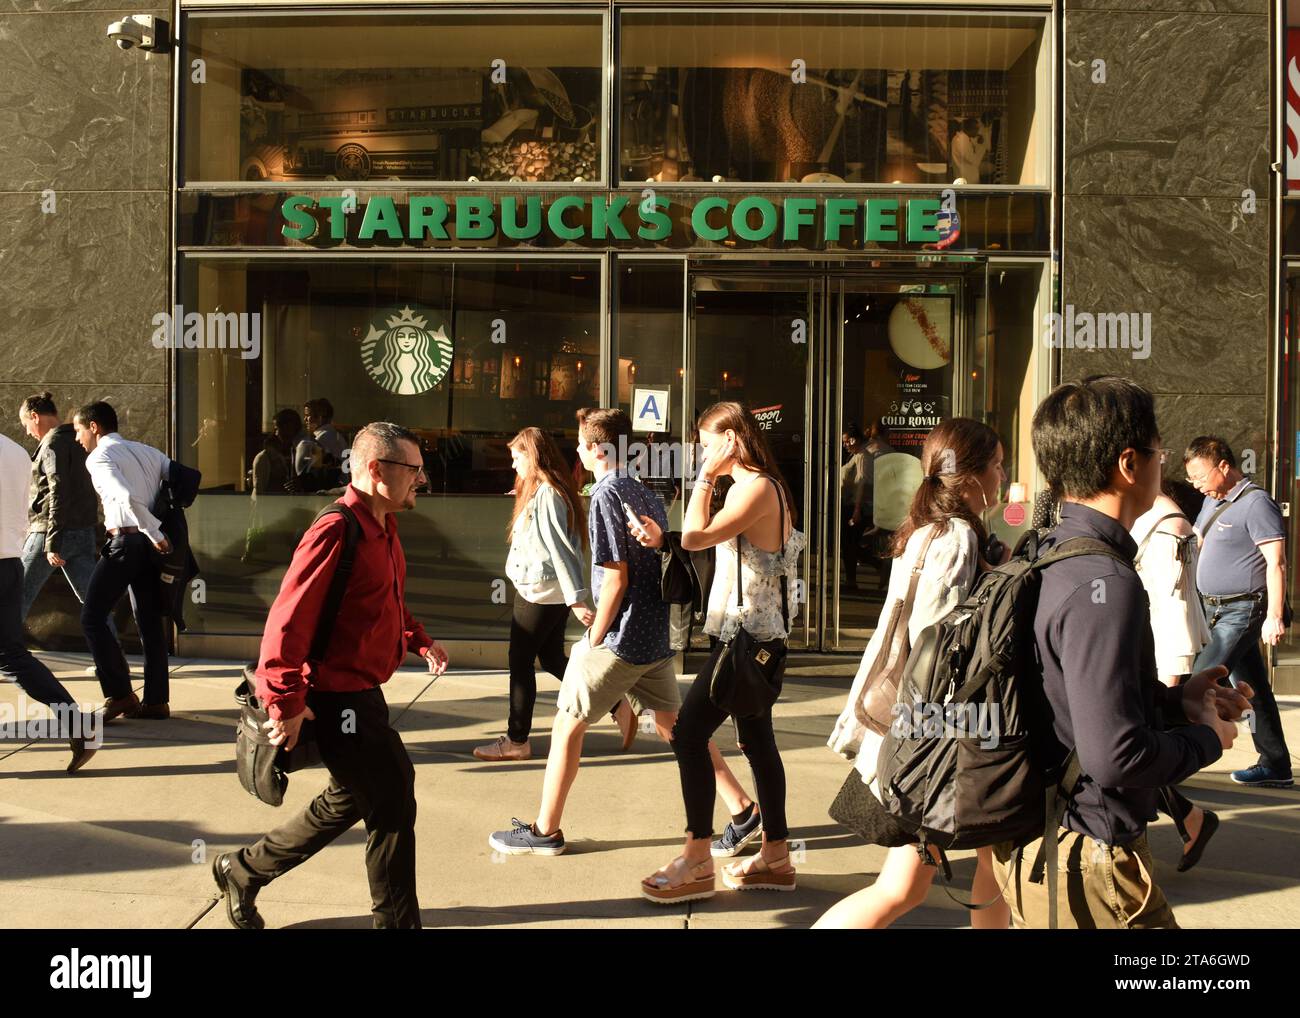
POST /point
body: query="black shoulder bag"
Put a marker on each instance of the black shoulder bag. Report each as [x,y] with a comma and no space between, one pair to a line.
[745,674]
[264,769]
[1287,615]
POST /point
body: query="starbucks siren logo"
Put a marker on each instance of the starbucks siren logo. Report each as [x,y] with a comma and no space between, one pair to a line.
[406,358]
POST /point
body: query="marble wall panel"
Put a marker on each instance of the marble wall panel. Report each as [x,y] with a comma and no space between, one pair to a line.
[81,286]
[1183,109]
[142,410]
[1238,419]
[77,112]
[1189,6]
[1198,266]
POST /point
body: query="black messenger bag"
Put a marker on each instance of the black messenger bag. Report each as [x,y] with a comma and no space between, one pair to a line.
[264,769]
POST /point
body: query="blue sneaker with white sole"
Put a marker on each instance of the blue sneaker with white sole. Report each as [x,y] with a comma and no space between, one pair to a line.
[1263,777]
[737,836]
[523,839]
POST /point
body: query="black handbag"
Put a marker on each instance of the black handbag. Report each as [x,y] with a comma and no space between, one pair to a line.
[677,582]
[858,810]
[684,575]
[264,769]
[745,674]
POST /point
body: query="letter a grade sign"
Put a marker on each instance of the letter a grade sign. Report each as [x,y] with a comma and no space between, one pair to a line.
[650,409]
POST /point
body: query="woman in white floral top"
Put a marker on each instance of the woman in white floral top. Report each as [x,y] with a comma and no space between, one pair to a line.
[756,542]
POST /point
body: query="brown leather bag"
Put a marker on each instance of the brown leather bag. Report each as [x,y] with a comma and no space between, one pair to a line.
[874,708]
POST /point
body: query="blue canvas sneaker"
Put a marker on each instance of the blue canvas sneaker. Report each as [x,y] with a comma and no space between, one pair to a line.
[734,837]
[1263,777]
[522,839]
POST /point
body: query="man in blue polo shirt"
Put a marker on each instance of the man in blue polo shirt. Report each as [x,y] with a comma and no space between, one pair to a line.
[1242,580]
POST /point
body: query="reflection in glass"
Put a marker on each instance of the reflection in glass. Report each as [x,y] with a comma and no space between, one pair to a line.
[744,352]
[650,311]
[829,98]
[436,97]
[464,354]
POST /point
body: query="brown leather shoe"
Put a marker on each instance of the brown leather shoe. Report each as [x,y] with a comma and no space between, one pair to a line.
[628,722]
[121,706]
[154,712]
[81,753]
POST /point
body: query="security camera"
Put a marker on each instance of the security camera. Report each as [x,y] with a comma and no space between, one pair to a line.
[143,30]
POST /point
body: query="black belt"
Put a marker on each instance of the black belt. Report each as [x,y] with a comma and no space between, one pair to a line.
[1220,599]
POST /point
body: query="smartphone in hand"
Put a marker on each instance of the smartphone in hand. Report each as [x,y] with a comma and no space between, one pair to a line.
[632,518]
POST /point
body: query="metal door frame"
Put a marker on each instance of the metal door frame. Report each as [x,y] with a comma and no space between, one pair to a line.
[823,399]
[838,286]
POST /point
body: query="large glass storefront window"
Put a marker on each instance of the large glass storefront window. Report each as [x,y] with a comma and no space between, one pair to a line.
[1013,369]
[870,330]
[394,96]
[828,98]
[464,353]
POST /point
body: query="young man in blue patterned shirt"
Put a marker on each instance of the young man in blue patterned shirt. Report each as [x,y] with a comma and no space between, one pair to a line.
[625,652]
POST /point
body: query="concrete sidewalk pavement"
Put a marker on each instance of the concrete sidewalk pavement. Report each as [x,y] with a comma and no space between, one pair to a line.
[127,842]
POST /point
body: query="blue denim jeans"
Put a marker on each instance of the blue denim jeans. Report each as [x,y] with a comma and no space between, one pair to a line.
[1234,642]
[16,661]
[128,562]
[78,551]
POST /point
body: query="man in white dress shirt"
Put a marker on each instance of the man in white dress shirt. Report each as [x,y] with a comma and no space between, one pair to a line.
[16,662]
[127,477]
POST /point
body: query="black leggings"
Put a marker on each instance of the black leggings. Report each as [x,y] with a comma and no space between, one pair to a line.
[698,719]
[1172,801]
[536,633]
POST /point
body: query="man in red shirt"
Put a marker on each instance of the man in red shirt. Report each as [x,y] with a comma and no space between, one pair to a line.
[371,776]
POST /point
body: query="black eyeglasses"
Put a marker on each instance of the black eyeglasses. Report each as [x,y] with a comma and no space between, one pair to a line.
[418,468]
[1162,453]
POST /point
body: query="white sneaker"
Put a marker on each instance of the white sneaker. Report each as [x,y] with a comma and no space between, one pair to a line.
[503,749]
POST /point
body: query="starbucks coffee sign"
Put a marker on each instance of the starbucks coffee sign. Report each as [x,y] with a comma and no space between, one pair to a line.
[609,218]
[405,354]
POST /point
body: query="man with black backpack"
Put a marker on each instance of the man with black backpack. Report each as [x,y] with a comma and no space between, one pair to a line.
[328,665]
[1120,733]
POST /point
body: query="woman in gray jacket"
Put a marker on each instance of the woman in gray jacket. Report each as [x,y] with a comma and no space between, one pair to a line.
[547,540]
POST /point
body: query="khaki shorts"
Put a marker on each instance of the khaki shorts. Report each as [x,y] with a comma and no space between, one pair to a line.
[1099,886]
[597,678]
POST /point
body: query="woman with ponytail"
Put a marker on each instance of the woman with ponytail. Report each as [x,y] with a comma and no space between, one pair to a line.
[962,462]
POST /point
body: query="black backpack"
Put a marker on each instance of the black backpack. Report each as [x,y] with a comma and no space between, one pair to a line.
[264,769]
[939,777]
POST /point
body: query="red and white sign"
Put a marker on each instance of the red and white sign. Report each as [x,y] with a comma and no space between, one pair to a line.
[1293,109]
[767,416]
[1013,515]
